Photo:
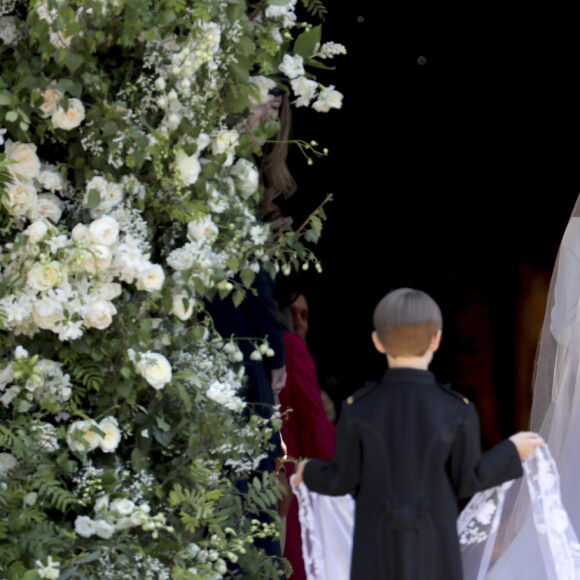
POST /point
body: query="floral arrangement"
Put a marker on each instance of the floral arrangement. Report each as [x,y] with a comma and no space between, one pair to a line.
[129,195]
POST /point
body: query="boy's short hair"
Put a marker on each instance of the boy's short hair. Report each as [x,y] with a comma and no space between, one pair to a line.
[406,321]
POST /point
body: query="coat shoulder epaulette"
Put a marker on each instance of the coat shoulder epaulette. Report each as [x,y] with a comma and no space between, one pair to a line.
[447,388]
[359,393]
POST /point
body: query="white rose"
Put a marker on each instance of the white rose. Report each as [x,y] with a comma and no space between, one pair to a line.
[21,198]
[200,229]
[247,177]
[7,462]
[151,278]
[178,308]
[110,290]
[36,232]
[99,314]
[104,230]
[155,369]
[52,96]
[101,504]
[97,258]
[225,142]
[70,118]
[47,313]
[91,438]
[112,437]
[103,529]
[81,233]
[114,194]
[27,165]
[51,179]
[41,277]
[84,526]
[98,184]
[187,167]
[47,206]
[122,506]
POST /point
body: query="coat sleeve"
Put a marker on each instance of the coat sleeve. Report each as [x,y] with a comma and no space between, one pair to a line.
[471,470]
[341,475]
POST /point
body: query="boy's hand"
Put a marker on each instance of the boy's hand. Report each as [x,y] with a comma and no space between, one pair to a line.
[526,442]
[298,473]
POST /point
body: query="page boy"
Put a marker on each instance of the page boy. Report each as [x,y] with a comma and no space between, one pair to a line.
[408,447]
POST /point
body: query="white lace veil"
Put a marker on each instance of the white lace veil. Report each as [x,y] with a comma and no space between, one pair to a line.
[536,532]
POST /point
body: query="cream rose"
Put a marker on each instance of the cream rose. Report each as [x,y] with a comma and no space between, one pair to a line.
[155,369]
[47,313]
[151,278]
[187,167]
[21,198]
[104,230]
[52,96]
[110,441]
[110,290]
[27,165]
[82,430]
[100,314]
[47,206]
[81,233]
[71,118]
[178,306]
[42,277]
[97,258]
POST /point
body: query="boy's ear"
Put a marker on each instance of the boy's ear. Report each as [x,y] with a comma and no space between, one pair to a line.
[377,342]
[435,341]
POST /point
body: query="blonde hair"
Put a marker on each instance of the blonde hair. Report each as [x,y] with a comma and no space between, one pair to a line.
[406,320]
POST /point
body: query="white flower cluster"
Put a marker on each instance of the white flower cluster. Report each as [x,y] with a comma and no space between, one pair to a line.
[328,50]
[121,513]
[87,435]
[122,566]
[46,385]
[50,570]
[10,29]
[71,279]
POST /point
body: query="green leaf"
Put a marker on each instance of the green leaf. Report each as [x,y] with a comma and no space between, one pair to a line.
[305,43]
[94,199]
[73,60]
[5,99]
[11,116]
[248,276]
[278,2]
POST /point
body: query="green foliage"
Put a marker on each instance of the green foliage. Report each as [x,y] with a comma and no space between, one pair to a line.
[130,196]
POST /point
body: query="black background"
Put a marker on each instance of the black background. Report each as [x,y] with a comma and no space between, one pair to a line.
[446,176]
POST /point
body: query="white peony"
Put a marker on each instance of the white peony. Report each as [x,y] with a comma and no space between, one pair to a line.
[52,96]
[112,437]
[27,163]
[99,314]
[47,206]
[71,118]
[247,177]
[104,230]
[187,167]
[178,306]
[42,277]
[21,198]
[155,369]
[151,278]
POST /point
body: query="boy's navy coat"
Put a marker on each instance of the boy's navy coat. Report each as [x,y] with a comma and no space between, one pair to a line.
[408,447]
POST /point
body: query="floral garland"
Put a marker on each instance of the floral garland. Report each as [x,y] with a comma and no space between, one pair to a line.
[130,194]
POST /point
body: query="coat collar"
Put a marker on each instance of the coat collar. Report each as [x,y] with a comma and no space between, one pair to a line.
[409,375]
